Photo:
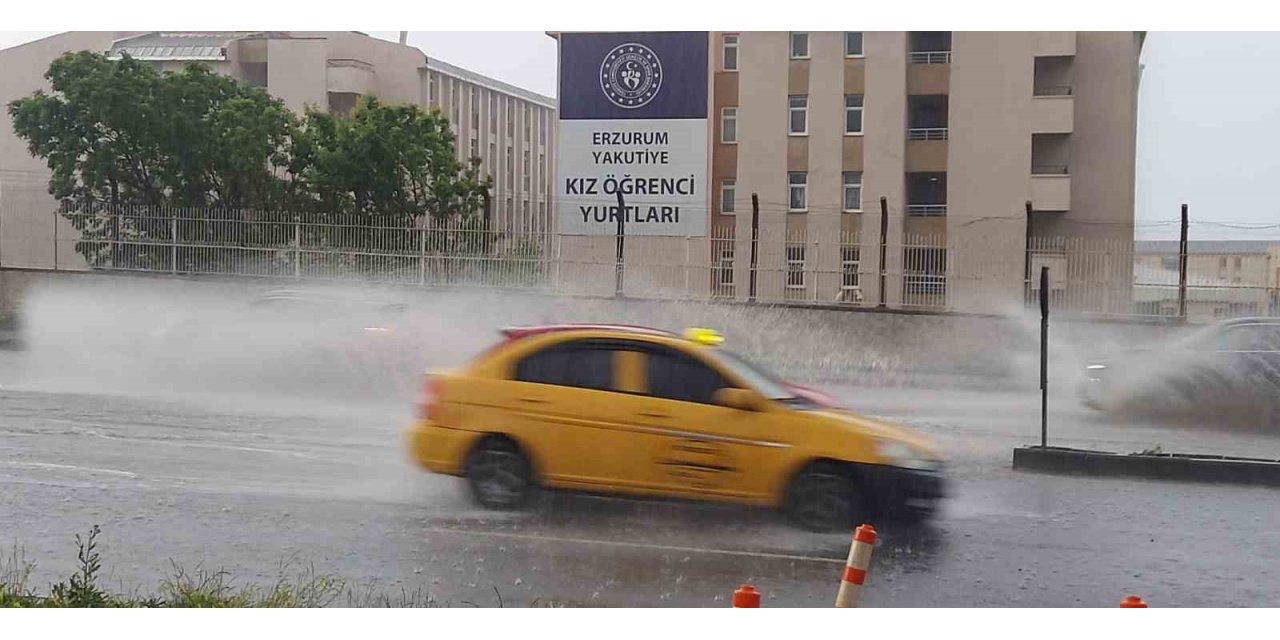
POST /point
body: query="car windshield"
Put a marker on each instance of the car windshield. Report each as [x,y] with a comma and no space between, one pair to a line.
[757,378]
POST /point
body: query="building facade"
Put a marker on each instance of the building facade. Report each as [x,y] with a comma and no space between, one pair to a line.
[508,128]
[955,131]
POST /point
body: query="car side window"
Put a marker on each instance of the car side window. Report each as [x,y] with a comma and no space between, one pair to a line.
[1251,337]
[579,365]
[676,376]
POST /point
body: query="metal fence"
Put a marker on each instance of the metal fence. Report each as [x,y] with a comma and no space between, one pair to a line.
[843,268]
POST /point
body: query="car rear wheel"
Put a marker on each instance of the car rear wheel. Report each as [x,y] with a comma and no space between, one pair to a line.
[499,474]
[823,498]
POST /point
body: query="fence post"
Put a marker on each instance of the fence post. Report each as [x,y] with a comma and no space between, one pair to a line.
[422,254]
[1026,260]
[884,240]
[1182,267]
[297,249]
[755,241]
[173,248]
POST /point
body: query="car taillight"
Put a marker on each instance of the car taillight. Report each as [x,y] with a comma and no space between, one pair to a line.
[428,403]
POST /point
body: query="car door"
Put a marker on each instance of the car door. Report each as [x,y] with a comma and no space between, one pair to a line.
[1249,358]
[704,448]
[566,396]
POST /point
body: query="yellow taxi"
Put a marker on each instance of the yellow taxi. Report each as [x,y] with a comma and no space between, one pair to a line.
[636,411]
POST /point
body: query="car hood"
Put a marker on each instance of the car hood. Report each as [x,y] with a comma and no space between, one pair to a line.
[878,428]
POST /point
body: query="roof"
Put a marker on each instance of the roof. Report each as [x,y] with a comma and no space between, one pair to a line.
[515,333]
[178,45]
[1204,246]
[489,83]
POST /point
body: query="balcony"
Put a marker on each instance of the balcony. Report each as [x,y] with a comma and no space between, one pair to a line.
[1051,90]
[927,133]
[1053,43]
[1052,114]
[1050,189]
[929,57]
[351,76]
[926,209]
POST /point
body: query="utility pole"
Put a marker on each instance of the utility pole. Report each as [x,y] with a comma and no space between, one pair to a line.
[619,267]
[884,241]
[1182,267]
[1026,260]
[755,240]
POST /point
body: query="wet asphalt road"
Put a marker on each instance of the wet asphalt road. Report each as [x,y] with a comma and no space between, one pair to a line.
[244,483]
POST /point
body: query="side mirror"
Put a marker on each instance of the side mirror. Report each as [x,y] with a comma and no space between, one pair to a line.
[741,399]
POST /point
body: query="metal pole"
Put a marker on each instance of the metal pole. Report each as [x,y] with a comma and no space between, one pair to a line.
[884,241]
[1044,356]
[1026,259]
[755,240]
[622,234]
[173,237]
[297,249]
[1182,267]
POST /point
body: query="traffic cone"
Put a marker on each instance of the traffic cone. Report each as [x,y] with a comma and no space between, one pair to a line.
[746,597]
[855,568]
[1133,602]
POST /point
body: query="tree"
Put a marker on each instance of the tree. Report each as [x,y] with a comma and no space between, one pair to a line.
[120,136]
[386,165]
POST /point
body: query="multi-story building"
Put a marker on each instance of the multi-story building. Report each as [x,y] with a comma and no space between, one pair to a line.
[510,129]
[1225,278]
[955,131]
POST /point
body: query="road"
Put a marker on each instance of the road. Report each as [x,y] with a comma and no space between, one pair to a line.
[246,482]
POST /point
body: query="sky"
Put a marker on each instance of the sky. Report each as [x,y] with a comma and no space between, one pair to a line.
[1208,119]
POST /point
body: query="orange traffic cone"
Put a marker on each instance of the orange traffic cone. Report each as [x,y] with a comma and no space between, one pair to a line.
[746,597]
[1133,602]
[855,568]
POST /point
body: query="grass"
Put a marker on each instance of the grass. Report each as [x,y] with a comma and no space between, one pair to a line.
[296,585]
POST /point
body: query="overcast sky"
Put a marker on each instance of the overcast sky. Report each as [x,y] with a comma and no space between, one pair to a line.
[1208,118]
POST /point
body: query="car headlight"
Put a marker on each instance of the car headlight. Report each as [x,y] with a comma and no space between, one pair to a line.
[902,455]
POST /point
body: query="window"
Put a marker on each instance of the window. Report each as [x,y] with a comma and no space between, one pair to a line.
[728,193]
[730,48]
[475,147]
[511,121]
[475,109]
[853,191]
[797,187]
[1239,261]
[526,218]
[798,115]
[1250,337]
[511,168]
[852,44]
[848,269]
[853,113]
[576,364]
[455,104]
[526,170]
[493,156]
[724,269]
[542,127]
[433,91]
[542,170]
[542,214]
[795,266]
[528,125]
[676,376]
[729,124]
[493,112]
[799,45]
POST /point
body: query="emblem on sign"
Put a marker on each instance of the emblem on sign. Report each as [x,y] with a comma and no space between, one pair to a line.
[631,75]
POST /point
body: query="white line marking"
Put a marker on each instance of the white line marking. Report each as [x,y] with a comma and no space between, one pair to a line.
[636,545]
[68,467]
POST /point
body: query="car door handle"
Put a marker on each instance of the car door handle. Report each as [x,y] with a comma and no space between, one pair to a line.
[654,414]
[532,400]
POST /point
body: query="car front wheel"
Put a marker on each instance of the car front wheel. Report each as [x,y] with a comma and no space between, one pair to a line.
[823,498]
[499,474]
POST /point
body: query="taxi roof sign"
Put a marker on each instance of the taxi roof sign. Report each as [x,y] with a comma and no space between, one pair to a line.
[709,337]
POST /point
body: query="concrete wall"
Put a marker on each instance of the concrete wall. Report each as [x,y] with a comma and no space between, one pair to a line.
[296,72]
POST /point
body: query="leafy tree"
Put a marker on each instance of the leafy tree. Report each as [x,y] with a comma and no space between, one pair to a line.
[122,137]
[386,165]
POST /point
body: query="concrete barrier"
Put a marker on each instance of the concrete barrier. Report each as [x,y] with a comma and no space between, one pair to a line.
[1163,466]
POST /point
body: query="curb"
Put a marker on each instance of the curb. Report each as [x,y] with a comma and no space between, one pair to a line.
[1164,466]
